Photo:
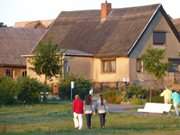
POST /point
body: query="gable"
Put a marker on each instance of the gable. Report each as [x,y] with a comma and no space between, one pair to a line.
[159,22]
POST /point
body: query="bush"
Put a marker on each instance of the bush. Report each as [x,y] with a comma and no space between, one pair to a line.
[29,90]
[7,91]
[157,99]
[136,91]
[137,101]
[82,87]
[113,96]
[133,94]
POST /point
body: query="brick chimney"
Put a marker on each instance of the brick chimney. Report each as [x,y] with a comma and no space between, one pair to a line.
[105,10]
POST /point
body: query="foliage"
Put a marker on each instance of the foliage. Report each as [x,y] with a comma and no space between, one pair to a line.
[137,101]
[48,60]
[133,94]
[136,91]
[157,99]
[2,24]
[7,91]
[113,96]
[152,61]
[29,90]
[82,87]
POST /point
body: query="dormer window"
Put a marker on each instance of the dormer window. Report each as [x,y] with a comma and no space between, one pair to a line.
[159,38]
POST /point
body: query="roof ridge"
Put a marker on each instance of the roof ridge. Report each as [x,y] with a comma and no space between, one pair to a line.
[87,10]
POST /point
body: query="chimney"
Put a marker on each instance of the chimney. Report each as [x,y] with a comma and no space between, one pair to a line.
[105,10]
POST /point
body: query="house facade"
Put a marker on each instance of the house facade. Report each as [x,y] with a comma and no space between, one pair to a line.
[15,42]
[105,45]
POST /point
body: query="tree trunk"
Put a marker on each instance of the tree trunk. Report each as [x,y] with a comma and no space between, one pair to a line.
[150,95]
[45,79]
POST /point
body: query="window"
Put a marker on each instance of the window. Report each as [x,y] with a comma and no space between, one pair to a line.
[139,65]
[66,67]
[24,73]
[174,65]
[159,38]
[8,72]
[109,66]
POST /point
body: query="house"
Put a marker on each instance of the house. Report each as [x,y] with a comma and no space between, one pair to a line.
[177,24]
[34,24]
[15,42]
[105,45]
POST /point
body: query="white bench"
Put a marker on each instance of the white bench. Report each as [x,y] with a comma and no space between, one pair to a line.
[155,108]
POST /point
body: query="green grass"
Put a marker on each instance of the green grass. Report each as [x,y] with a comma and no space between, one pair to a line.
[56,119]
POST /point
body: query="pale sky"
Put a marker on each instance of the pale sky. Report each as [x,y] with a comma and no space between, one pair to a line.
[12,11]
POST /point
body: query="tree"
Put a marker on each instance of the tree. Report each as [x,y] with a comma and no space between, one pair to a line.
[2,24]
[153,62]
[48,60]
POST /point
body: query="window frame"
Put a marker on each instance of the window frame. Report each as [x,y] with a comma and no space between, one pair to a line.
[24,73]
[111,70]
[160,43]
[10,73]
[139,65]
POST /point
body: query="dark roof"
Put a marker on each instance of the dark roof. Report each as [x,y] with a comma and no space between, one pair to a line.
[83,30]
[177,23]
[15,42]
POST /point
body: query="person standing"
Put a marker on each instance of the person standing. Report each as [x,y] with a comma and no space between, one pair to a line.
[167,95]
[88,110]
[102,109]
[78,112]
[91,92]
[176,101]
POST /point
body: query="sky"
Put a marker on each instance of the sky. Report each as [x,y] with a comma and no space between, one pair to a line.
[12,11]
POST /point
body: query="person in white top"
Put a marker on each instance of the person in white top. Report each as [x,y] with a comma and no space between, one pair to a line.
[88,110]
[91,92]
[102,109]
[167,95]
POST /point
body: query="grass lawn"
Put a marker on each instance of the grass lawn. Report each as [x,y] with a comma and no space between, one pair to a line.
[56,119]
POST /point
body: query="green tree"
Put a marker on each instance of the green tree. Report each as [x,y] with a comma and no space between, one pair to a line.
[29,90]
[2,24]
[48,60]
[7,91]
[153,62]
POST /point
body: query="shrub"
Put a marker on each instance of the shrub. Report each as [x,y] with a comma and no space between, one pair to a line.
[137,101]
[82,87]
[7,91]
[157,99]
[136,91]
[29,90]
[113,96]
[133,94]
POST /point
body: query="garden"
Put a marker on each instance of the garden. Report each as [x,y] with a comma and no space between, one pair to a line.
[23,113]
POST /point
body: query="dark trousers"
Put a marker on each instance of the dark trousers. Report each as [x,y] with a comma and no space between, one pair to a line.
[102,117]
[88,120]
